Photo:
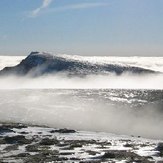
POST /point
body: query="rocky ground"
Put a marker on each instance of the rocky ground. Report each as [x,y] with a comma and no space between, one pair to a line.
[20,143]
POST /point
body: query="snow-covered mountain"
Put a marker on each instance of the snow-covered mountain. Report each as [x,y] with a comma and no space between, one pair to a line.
[43,63]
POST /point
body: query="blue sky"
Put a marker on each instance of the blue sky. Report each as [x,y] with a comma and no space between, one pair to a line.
[82,27]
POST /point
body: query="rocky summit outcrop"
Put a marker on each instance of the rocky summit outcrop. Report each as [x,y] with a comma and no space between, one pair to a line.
[37,144]
[37,64]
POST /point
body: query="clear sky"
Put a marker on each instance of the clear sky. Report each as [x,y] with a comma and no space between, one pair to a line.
[84,27]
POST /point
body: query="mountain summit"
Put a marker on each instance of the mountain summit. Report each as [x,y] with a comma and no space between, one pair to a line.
[37,64]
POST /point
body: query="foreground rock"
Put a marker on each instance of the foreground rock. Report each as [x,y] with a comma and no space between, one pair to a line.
[31,144]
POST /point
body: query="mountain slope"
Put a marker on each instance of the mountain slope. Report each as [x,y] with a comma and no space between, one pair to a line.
[43,63]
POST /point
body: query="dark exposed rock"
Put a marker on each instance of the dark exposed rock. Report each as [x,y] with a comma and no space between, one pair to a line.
[49,152]
[76,145]
[92,152]
[2,141]
[23,155]
[160,148]
[128,145]
[48,141]
[11,147]
[66,131]
[66,153]
[109,155]
[71,144]
[62,159]
[32,148]
[43,157]
[121,155]
[23,132]
[39,132]
[37,158]
[5,129]
[14,125]
[43,147]
[19,139]
[93,161]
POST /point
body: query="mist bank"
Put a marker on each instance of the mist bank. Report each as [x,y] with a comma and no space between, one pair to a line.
[71,109]
[63,81]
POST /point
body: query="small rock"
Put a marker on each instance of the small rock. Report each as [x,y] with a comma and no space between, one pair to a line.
[2,141]
[92,152]
[160,146]
[128,145]
[47,141]
[23,155]
[15,125]
[63,131]
[108,155]
[11,147]
[4,129]
[49,152]
[75,145]
[19,139]
[23,132]
[32,148]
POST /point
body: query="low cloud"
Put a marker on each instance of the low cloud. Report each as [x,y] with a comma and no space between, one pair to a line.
[89,110]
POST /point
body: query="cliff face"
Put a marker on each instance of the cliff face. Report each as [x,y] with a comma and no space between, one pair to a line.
[43,63]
